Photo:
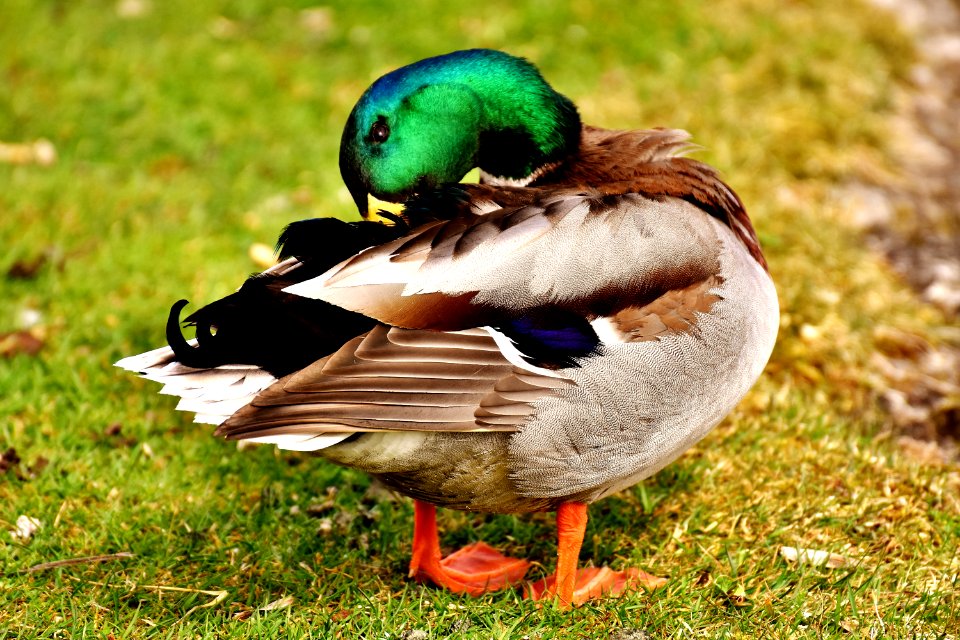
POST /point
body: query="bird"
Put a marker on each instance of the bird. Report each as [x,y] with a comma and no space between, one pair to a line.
[537,341]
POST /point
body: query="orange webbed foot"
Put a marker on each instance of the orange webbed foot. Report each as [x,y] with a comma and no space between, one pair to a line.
[478,568]
[570,586]
[475,569]
[592,582]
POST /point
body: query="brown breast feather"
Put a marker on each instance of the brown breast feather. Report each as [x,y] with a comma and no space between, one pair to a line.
[651,163]
[673,312]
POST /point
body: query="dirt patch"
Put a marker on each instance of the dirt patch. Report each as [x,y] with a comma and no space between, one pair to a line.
[914,221]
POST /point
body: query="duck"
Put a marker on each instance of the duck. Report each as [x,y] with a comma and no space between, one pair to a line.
[537,341]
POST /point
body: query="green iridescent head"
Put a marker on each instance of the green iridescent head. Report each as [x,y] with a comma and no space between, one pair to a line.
[431,122]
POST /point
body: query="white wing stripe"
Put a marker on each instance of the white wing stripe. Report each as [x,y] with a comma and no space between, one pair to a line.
[513,355]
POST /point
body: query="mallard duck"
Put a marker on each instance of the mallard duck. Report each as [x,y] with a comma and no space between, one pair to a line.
[535,342]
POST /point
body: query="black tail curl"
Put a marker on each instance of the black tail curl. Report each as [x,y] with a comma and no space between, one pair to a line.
[260,324]
[197,357]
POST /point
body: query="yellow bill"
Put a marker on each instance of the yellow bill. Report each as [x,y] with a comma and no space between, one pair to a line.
[375,204]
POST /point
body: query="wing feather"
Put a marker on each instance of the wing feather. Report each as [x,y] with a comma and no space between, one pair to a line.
[394,379]
[587,252]
[212,394]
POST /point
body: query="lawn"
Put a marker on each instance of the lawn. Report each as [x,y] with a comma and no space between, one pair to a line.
[187,131]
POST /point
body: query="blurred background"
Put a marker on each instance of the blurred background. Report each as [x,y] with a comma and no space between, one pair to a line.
[148,151]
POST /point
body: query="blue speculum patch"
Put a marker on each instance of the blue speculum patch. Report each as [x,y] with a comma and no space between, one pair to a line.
[552,338]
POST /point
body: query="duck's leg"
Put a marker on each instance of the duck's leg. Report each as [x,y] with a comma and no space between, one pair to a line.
[570,586]
[474,569]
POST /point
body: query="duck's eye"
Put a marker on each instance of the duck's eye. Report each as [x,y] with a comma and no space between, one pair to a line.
[379,132]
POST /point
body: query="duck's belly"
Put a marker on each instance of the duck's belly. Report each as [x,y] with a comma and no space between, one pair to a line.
[467,471]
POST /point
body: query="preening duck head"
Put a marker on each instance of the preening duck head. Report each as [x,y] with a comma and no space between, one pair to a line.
[431,122]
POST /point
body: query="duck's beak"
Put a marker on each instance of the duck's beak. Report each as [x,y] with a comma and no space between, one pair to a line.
[367,204]
[360,197]
[384,211]
[356,187]
[350,166]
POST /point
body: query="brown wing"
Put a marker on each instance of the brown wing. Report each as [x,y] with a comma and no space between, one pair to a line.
[398,380]
[651,163]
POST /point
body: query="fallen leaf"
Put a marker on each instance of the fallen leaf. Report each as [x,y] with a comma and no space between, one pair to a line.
[316,21]
[340,615]
[262,255]
[850,625]
[321,509]
[26,269]
[9,460]
[130,9]
[898,343]
[325,527]
[38,466]
[41,152]
[814,557]
[167,166]
[738,596]
[281,603]
[69,562]
[27,342]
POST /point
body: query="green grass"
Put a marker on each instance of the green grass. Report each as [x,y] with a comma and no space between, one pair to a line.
[188,133]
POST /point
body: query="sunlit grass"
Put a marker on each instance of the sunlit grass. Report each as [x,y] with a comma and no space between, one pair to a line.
[193,129]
